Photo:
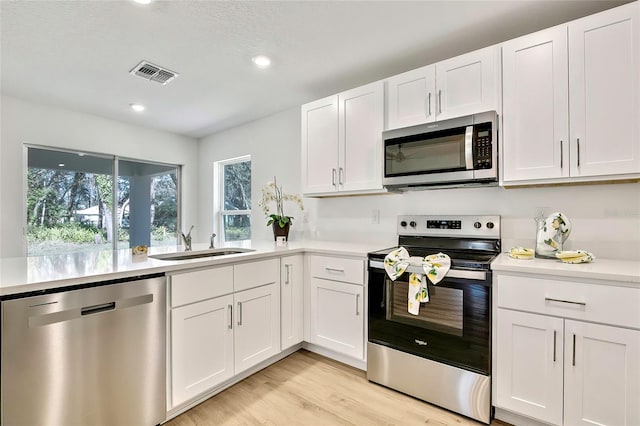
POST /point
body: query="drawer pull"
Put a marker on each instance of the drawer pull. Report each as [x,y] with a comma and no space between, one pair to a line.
[554,345]
[334,270]
[549,299]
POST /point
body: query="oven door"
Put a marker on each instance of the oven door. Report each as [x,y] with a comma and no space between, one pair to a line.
[454,327]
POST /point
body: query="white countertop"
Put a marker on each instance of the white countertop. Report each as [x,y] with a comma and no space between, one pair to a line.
[27,274]
[625,271]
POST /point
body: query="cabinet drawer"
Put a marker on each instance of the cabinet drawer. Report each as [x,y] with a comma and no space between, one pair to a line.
[256,274]
[337,269]
[194,286]
[605,304]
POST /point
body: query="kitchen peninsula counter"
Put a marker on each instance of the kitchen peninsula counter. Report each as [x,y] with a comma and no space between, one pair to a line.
[37,273]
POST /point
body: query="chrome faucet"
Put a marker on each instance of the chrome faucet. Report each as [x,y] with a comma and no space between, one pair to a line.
[211,238]
[187,239]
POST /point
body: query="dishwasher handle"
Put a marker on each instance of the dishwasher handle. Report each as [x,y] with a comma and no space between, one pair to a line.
[88,310]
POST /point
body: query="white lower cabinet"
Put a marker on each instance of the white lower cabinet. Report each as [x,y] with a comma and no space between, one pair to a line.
[554,364]
[257,326]
[291,301]
[530,355]
[337,319]
[216,333]
[201,347]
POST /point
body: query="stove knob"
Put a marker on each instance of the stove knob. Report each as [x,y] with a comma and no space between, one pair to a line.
[413,224]
[477,225]
[490,225]
[403,223]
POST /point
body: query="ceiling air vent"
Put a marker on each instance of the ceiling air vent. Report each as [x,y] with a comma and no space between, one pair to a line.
[152,72]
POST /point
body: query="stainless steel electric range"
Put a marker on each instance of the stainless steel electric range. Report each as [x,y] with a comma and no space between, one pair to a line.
[443,354]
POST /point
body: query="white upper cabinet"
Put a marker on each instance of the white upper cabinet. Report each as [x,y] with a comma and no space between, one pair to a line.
[571,100]
[468,83]
[456,87]
[604,89]
[320,145]
[411,97]
[341,142]
[535,110]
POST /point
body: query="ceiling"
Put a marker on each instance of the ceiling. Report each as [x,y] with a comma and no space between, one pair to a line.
[77,54]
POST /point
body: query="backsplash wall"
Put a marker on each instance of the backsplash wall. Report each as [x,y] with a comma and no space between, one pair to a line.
[605,218]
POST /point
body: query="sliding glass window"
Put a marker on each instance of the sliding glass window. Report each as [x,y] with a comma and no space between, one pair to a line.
[78,201]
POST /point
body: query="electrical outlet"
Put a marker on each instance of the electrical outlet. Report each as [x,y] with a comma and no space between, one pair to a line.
[375,216]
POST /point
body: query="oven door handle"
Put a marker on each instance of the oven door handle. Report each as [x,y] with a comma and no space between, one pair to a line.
[453,273]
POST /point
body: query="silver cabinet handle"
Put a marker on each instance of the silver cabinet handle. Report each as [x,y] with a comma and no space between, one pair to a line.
[357,304]
[230,317]
[333,177]
[439,101]
[578,152]
[554,345]
[340,176]
[334,269]
[561,155]
[429,104]
[548,299]
[239,313]
[573,362]
[286,275]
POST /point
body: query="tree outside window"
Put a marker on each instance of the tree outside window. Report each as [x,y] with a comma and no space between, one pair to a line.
[234,198]
[76,203]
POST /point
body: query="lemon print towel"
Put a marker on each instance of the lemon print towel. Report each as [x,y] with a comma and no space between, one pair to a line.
[435,267]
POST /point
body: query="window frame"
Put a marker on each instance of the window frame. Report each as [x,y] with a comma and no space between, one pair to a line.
[218,200]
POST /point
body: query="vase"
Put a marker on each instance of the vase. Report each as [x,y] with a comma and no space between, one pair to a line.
[280,232]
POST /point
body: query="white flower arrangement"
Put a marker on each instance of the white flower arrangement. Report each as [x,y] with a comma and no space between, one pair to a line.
[273,193]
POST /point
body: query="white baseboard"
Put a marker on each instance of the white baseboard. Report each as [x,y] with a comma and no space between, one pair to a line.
[345,359]
[516,419]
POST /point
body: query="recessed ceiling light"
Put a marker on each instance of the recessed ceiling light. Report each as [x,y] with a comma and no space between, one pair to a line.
[137,107]
[261,61]
[61,165]
[142,1]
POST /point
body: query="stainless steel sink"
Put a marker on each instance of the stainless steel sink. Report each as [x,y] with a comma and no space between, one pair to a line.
[200,254]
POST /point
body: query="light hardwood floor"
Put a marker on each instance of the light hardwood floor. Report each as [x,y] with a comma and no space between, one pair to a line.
[309,389]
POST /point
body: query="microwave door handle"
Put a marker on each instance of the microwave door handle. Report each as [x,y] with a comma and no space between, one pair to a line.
[468,148]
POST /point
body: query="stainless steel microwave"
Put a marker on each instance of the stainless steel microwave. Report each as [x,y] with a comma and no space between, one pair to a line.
[458,152]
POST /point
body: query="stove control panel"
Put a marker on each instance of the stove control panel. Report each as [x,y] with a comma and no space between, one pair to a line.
[449,226]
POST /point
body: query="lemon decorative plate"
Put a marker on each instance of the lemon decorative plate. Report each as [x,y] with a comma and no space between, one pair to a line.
[575,256]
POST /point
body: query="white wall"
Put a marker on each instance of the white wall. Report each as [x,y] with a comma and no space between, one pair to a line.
[26,122]
[605,218]
[274,145]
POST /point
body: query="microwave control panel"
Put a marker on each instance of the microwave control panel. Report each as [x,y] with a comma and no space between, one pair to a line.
[483,152]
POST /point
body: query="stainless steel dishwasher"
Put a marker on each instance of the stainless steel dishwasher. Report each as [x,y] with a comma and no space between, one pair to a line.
[90,355]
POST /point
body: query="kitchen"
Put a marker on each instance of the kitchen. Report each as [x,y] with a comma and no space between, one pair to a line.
[605,217]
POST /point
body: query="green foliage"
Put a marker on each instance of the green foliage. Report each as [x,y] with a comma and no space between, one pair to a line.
[68,232]
[280,220]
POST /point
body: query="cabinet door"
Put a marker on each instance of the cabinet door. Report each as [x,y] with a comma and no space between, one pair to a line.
[604,89]
[602,375]
[467,84]
[291,297]
[411,97]
[361,113]
[535,106]
[201,347]
[337,316]
[529,361]
[257,326]
[320,145]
